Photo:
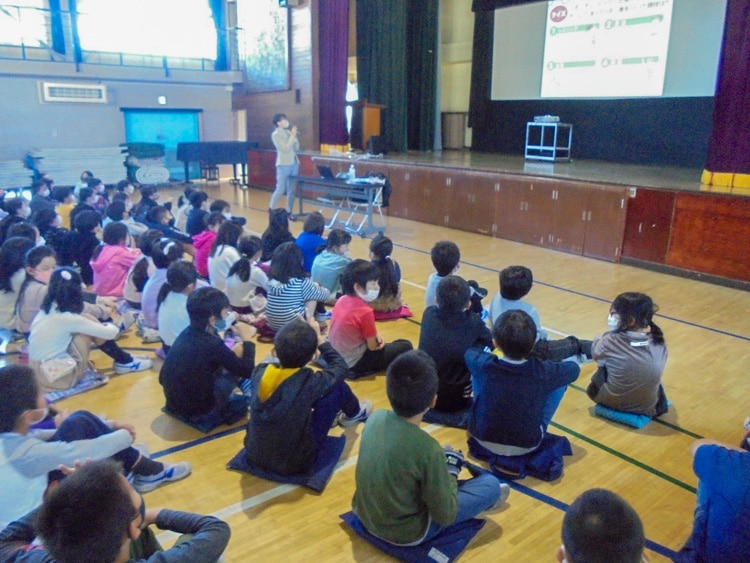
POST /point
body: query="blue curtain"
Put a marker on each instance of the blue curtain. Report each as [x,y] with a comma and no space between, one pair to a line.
[220,21]
[56,25]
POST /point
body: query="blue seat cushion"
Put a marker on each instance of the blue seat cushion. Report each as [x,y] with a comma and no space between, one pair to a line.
[627,418]
[444,547]
[316,479]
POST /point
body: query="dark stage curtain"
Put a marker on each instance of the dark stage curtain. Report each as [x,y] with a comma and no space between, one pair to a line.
[422,38]
[219,15]
[333,47]
[729,145]
[481,65]
[396,58]
[381,64]
[56,25]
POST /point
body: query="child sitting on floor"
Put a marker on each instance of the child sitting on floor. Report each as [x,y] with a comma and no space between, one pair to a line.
[200,373]
[290,290]
[293,407]
[515,284]
[353,332]
[61,328]
[247,284]
[448,330]
[163,252]
[203,242]
[631,359]
[171,302]
[389,298]
[79,245]
[112,261]
[277,233]
[196,217]
[329,264]
[445,256]
[28,455]
[311,239]
[516,396]
[407,488]
[223,254]
[141,270]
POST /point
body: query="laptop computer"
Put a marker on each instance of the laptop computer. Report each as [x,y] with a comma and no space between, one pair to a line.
[326,172]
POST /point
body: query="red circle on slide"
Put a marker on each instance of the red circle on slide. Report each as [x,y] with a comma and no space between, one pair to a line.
[558,14]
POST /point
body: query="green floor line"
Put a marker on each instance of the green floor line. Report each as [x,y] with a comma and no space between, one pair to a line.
[624,457]
[662,422]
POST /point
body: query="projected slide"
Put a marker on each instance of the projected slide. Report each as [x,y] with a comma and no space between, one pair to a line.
[605,48]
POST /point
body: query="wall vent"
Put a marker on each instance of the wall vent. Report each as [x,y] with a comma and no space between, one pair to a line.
[80,93]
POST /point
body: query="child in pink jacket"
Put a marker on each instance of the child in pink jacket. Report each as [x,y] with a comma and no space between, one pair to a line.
[203,242]
[112,260]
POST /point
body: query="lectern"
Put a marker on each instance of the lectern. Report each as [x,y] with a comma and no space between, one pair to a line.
[365,123]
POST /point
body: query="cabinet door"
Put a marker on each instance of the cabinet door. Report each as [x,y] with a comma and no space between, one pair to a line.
[430,190]
[605,222]
[540,213]
[472,203]
[401,198]
[648,225]
[511,208]
[569,227]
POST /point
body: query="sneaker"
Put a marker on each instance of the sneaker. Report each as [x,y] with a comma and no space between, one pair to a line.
[150,336]
[365,410]
[323,317]
[171,472]
[504,494]
[139,363]
[126,321]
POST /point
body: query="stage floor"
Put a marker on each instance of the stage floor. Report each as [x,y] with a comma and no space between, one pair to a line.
[683,179]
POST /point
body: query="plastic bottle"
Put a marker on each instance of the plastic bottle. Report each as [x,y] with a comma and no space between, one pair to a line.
[352,172]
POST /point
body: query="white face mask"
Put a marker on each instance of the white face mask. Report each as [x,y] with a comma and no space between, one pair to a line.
[371,295]
[45,193]
[613,321]
[41,241]
[227,216]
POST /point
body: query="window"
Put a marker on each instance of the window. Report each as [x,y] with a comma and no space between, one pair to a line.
[23,23]
[165,28]
[264,44]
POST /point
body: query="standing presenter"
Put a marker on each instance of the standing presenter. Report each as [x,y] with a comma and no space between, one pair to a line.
[287,164]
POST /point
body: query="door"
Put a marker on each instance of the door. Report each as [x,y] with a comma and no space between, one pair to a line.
[167,127]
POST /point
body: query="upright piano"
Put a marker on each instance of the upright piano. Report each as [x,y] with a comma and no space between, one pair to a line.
[212,153]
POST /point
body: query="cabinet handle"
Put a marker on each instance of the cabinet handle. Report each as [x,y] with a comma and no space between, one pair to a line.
[448,181]
[520,206]
[583,215]
[589,216]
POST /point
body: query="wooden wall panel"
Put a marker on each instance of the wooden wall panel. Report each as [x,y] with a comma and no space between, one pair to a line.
[711,234]
[648,225]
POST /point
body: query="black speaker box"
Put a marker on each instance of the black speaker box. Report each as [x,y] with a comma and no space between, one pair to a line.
[377,145]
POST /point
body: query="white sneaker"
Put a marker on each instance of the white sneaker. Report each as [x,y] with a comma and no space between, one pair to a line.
[365,410]
[139,363]
[171,472]
[504,494]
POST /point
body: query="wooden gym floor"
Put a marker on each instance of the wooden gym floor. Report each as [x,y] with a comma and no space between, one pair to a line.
[707,329]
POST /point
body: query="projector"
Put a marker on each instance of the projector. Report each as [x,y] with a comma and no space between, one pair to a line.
[547,119]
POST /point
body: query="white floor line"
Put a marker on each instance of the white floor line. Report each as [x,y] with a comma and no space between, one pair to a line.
[271,494]
[407,282]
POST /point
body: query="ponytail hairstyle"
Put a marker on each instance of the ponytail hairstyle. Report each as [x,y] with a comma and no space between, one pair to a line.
[381,248]
[228,235]
[180,275]
[165,251]
[636,310]
[65,291]
[12,256]
[247,247]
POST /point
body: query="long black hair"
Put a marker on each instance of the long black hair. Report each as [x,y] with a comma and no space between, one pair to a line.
[228,235]
[381,248]
[636,310]
[247,247]
[12,256]
[180,274]
[34,257]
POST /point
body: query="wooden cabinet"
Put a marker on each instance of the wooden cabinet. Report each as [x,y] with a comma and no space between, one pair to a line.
[710,234]
[606,209]
[471,206]
[511,209]
[648,225]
